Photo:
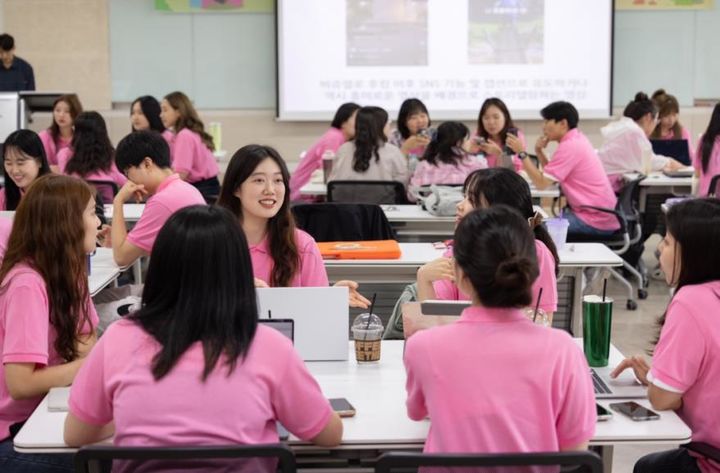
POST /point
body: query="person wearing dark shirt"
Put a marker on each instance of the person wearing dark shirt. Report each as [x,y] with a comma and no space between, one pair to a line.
[15,73]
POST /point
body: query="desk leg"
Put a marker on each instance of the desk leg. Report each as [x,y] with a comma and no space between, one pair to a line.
[137,270]
[606,454]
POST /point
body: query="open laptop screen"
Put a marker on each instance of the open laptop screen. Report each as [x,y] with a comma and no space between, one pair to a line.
[284,326]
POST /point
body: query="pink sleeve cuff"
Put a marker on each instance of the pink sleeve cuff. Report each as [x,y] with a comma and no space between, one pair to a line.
[36,358]
[311,433]
[83,416]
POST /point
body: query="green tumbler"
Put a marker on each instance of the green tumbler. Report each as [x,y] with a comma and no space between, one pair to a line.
[597,324]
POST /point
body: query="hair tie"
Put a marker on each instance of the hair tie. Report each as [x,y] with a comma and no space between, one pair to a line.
[535,220]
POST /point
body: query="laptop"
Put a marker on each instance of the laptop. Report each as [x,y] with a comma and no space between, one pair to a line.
[624,386]
[320,317]
[443,307]
[284,326]
[677,149]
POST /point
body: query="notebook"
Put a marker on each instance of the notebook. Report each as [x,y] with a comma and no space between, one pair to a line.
[372,249]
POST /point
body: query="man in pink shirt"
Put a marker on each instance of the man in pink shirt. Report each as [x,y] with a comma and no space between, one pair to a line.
[578,170]
[144,157]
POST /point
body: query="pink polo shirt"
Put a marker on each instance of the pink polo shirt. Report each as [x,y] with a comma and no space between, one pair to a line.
[331,140]
[113,175]
[684,135]
[311,272]
[27,336]
[687,361]
[547,281]
[495,382]
[271,383]
[442,173]
[172,195]
[493,158]
[3,200]
[189,154]
[52,148]
[713,166]
[169,137]
[577,168]
[5,229]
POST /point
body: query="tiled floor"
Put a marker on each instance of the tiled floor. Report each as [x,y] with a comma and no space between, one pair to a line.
[632,333]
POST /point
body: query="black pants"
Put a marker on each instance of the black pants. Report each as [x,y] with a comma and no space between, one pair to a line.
[671,461]
[209,188]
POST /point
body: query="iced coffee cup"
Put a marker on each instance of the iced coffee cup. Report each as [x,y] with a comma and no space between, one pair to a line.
[367,330]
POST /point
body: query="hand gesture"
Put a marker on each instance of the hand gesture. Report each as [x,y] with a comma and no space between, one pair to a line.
[355,299]
[638,365]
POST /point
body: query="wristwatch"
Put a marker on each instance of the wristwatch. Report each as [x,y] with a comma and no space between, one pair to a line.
[522,155]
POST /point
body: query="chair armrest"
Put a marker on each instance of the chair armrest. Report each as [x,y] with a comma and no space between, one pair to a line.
[621,217]
[704,449]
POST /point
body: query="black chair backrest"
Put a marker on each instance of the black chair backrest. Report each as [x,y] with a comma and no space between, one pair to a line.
[256,458]
[343,222]
[713,188]
[585,462]
[627,200]
[366,192]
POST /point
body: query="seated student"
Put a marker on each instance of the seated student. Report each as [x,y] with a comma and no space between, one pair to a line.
[23,161]
[145,115]
[144,157]
[59,135]
[48,320]
[495,134]
[668,126]
[197,333]
[686,362]
[341,130]
[90,156]
[192,147]
[707,158]
[484,189]
[368,156]
[627,148]
[445,160]
[494,381]
[578,170]
[413,132]
[255,191]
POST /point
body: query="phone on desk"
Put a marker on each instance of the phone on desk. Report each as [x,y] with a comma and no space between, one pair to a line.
[634,411]
[342,406]
[602,413]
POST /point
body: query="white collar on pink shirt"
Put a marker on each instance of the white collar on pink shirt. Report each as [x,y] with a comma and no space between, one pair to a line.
[478,313]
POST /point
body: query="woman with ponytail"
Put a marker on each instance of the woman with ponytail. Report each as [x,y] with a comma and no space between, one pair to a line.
[494,381]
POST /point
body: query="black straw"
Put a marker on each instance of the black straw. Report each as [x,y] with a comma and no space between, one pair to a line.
[537,304]
[604,288]
[372,306]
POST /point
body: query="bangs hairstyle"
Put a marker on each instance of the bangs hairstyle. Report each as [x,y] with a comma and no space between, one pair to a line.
[343,114]
[369,136]
[92,149]
[667,105]
[25,144]
[707,143]
[410,107]
[501,186]
[640,106]
[495,250]
[76,109]
[138,145]
[199,288]
[48,235]
[281,227]
[494,102]
[151,109]
[446,146]
[189,117]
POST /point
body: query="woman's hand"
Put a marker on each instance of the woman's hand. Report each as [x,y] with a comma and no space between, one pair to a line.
[514,143]
[356,299]
[541,144]
[490,147]
[437,269]
[104,238]
[260,283]
[673,165]
[638,365]
[414,141]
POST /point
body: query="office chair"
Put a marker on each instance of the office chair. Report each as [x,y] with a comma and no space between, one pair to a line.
[704,449]
[270,458]
[366,192]
[343,222]
[106,189]
[584,462]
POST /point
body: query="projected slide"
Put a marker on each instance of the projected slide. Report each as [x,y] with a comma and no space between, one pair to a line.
[452,54]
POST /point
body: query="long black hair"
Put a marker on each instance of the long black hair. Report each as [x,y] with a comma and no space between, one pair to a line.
[708,139]
[446,146]
[407,108]
[500,105]
[281,227]
[505,186]
[494,248]
[29,144]
[151,109]
[343,114]
[92,149]
[369,136]
[199,288]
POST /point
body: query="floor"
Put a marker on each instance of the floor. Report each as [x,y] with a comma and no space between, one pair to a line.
[632,333]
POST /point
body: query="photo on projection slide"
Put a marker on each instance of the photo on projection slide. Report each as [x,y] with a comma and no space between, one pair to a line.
[506,31]
[387,33]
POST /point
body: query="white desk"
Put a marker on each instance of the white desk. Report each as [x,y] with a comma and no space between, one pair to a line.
[659,183]
[319,189]
[131,212]
[103,270]
[377,391]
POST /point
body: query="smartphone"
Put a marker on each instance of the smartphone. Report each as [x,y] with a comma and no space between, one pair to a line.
[602,413]
[342,406]
[424,132]
[480,140]
[634,411]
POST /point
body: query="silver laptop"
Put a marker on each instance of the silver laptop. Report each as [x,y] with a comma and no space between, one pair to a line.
[320,316]
[624,386]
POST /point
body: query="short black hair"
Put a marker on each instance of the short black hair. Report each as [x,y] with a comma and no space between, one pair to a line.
[561,111]
[343,114]
[139,145]
[7,42]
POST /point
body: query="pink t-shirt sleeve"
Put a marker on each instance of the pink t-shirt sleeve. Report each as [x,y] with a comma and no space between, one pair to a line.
[312,270]
[313,160]
[446,290]
[147,228]
[575,407]
[560,165]
[49,145]
[89,399]
[415,403]
[26,321]
[679,354]
[63,156]
[298,401]
[546,279]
